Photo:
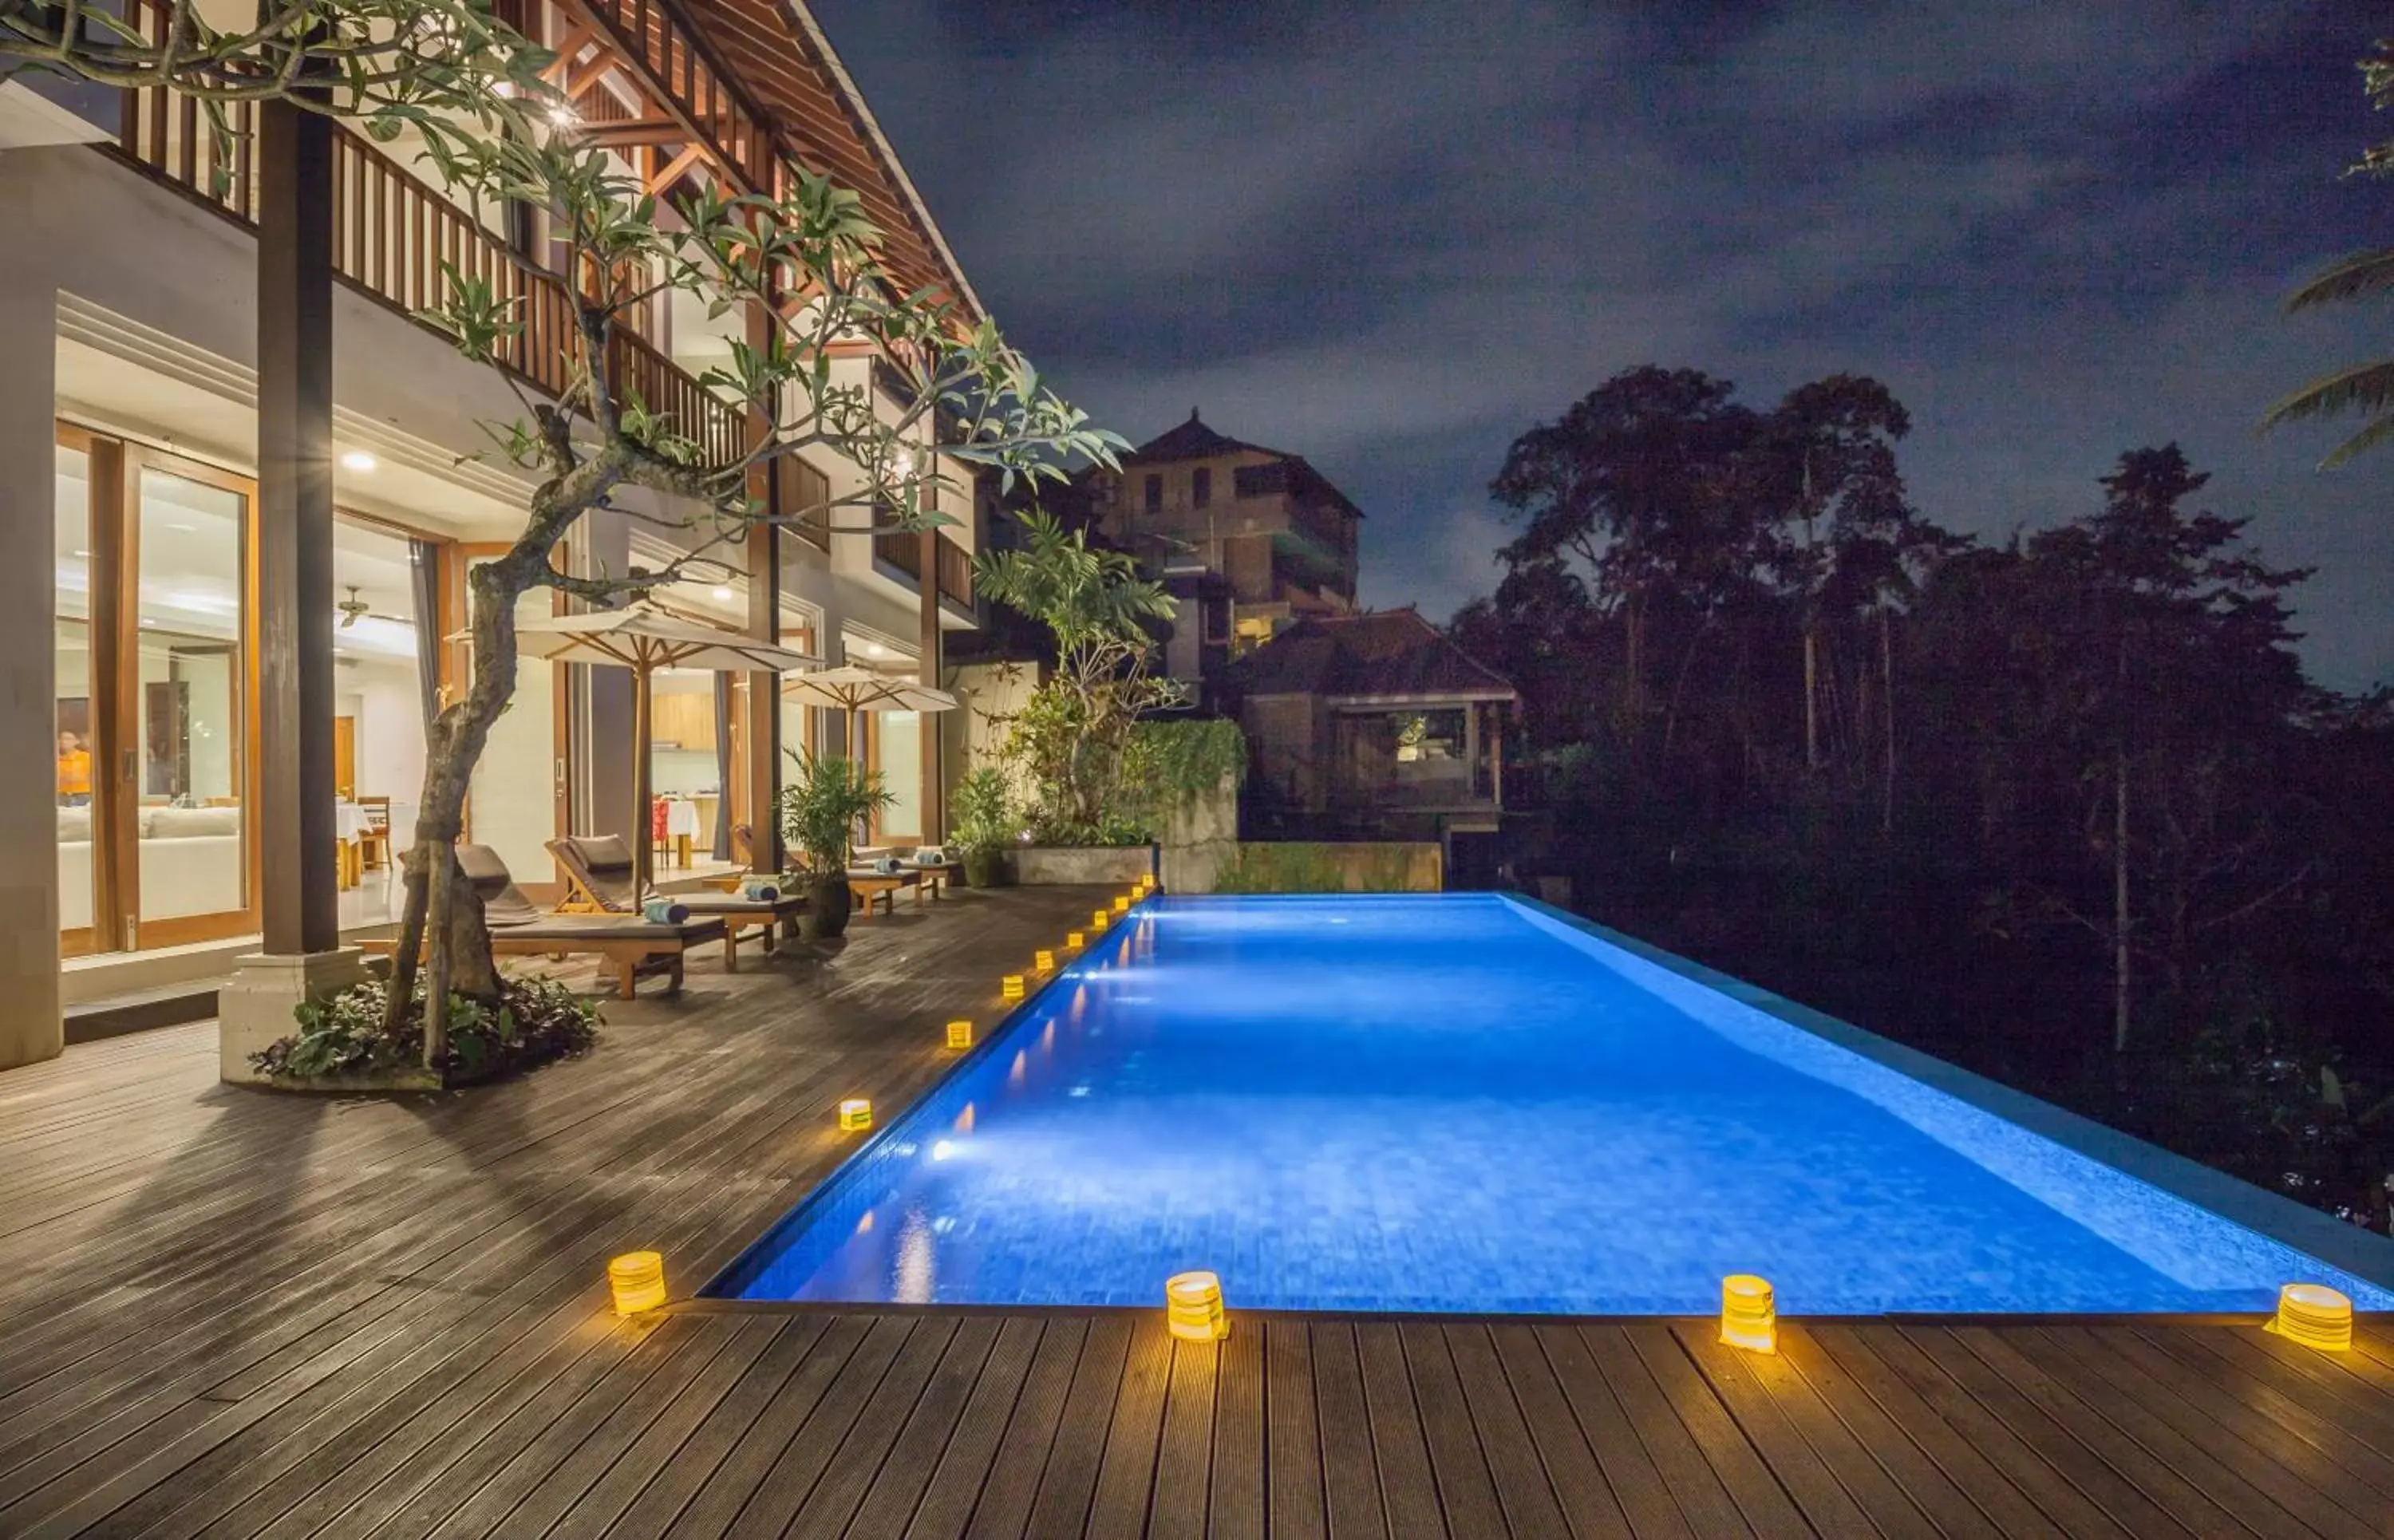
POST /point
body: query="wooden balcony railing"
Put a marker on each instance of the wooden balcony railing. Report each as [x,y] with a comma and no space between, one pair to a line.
[392,231]
[904,552]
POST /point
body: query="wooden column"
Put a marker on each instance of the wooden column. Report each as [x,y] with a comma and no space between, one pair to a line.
[299,898]
[762,811]
[926,727]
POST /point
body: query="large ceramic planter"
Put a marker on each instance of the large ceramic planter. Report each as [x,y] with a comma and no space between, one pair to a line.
[828,903]
[984,868]
[1083,865]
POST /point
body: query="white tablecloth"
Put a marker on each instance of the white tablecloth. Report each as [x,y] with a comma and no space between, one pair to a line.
[349,821]
[681,818]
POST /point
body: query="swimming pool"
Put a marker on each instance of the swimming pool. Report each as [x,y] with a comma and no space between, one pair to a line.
[1461,1103]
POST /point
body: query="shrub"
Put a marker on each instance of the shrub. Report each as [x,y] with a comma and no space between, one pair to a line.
[536,1019]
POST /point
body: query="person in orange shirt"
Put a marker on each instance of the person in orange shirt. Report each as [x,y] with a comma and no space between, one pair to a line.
[74,772]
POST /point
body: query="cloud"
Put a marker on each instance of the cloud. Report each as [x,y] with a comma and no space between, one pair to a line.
[1390,241]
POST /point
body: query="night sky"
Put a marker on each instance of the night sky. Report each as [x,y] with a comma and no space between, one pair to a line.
[1389,237]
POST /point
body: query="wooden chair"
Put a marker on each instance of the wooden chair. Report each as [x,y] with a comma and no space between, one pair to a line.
[374,840]
[599,881]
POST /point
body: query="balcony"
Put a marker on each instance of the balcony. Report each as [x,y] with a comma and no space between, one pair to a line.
[901,557]
[391,234]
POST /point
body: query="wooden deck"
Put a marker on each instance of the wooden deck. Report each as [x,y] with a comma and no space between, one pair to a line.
[237,1313]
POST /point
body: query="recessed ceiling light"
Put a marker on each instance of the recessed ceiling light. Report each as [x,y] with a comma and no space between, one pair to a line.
[873,650]
[182,529]
[83,553]
[723,593]
[357,459]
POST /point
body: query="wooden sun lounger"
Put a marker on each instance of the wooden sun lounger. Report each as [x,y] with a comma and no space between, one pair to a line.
[867,885]
[631,947]
[599,873]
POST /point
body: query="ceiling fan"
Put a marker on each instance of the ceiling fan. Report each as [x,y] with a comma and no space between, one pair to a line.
[354,609]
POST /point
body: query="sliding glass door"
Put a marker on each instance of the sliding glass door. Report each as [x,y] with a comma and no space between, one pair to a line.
[155,673]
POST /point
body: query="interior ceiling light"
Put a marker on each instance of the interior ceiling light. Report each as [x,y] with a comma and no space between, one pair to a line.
[722,593]
[357,459]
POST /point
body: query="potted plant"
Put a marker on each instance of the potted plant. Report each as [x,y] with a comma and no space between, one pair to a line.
[821,808]
[985,823]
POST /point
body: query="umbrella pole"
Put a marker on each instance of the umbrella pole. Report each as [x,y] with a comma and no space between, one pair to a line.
[642,829]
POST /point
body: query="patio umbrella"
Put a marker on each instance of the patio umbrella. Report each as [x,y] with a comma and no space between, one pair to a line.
[850,689]
[645,639]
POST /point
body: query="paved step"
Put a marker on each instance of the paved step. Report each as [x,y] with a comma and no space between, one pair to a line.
[141,1010]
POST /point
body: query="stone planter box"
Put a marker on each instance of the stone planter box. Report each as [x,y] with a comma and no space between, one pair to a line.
[1083,865]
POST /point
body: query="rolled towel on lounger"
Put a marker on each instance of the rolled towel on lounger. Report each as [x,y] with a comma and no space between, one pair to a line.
[664,911]
[760,891]
[886,866]
[930,855]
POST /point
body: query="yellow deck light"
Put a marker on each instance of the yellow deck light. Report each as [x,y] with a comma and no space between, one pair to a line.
[1074,940]
[1043,961]
[2315,1316]
[1193,1307]
[1011,987]
[637,1280]
[1099,919]
[1121,905]
[855,1115]
[960,1034]
[1749,1316]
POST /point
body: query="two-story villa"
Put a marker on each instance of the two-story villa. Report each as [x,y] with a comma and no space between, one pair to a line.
[232,463]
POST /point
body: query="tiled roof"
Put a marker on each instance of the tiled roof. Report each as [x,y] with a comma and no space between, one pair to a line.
[1192,440]
[1379,653]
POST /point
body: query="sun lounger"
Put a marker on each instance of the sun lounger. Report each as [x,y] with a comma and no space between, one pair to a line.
[868,885]
[630,947]
[598,871]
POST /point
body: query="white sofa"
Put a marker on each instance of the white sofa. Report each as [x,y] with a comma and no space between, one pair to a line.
[189,859]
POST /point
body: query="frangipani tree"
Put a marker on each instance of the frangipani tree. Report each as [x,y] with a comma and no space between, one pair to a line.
[497,134]
[1070,735]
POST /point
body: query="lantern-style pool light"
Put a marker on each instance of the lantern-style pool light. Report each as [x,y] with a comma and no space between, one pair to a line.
[1749,1316]
[2315,1316]
[1193,1307]
[1099,919]
[637,1280]
[855,1115]
[1011,987]
[1042,961]
[1074,940]
[960,1034]
[1121,905]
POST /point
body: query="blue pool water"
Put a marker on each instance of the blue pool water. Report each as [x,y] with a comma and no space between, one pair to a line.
[1461,1103]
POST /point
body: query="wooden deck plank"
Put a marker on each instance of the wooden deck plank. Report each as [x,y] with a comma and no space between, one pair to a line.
[2170,1499]
[1003,1504]
[1839,1486]
[1632,1471]
[1466,1489]
[1127,1474]
[1542,1423]
[1408,1490]
[956,1484]
[1180,1506]
[1293,1460]
[884,1353]
[2311,1380]
[1069,1478]
[757,1447]
[2024,1497]
[1668,1401]
[1351,1465]
[1237,1502]
[888,1503]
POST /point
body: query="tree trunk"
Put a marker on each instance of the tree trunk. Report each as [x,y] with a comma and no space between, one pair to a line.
[458,959]
[1887,707]
[1812,695]
[2120,981]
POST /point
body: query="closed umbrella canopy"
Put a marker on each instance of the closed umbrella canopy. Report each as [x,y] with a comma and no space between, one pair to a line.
[645,639]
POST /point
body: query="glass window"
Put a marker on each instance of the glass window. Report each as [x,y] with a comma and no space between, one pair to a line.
[73,609]
[1200,487]
[1154,494]
[187,708]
